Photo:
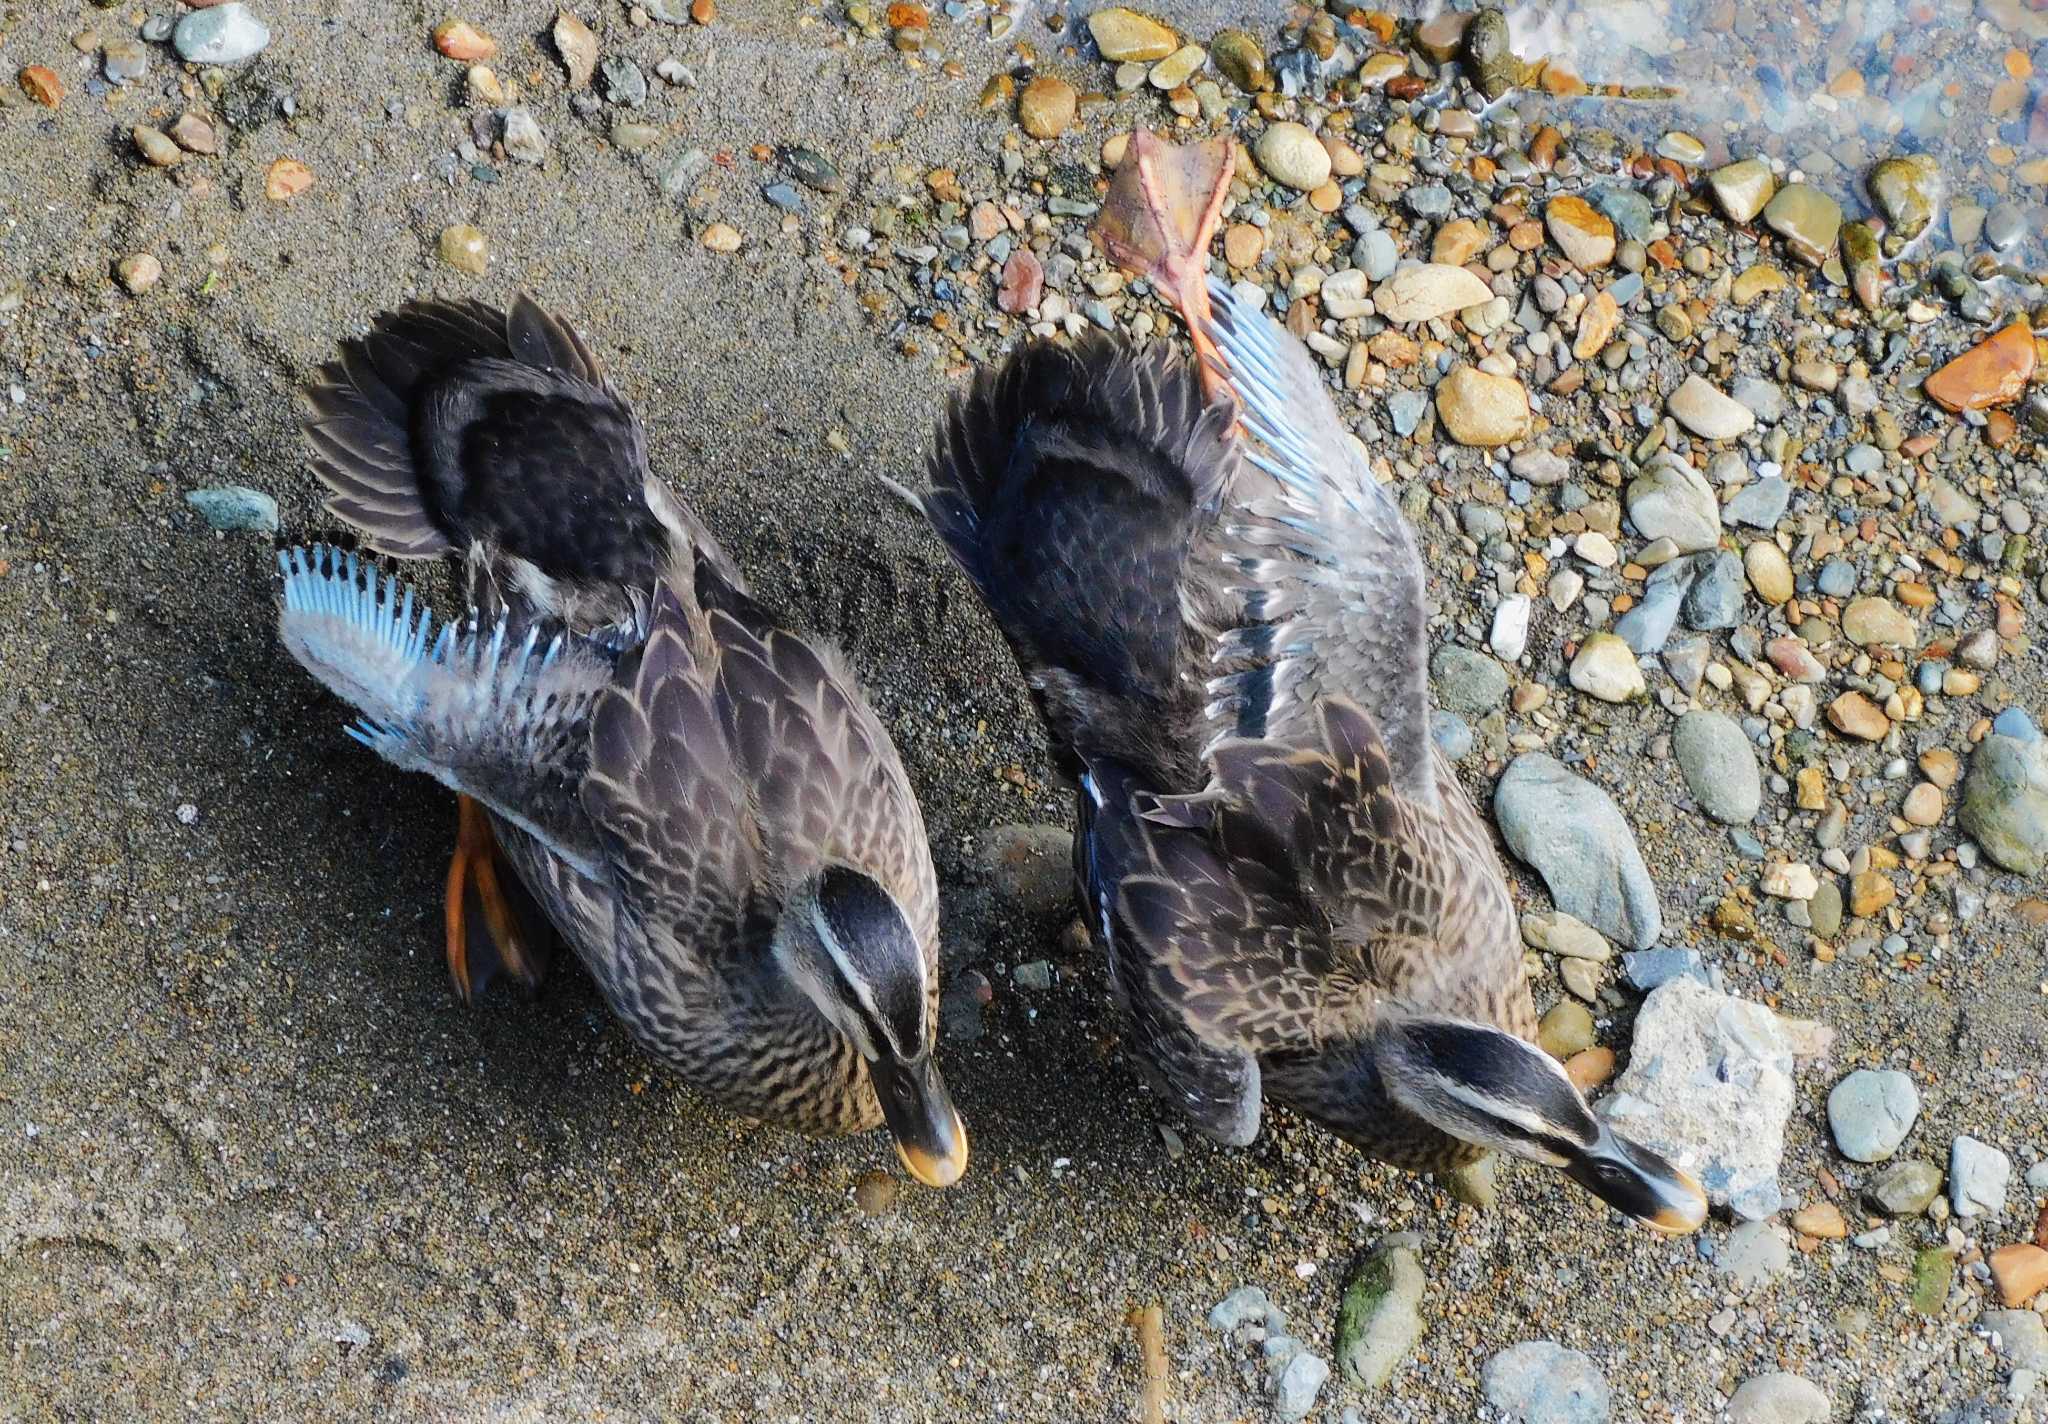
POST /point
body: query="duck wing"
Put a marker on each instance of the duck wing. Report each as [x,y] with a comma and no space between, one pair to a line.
[824,782]
[496,707]
[1291,897]
[453,428]
[666,794]
[1329,584]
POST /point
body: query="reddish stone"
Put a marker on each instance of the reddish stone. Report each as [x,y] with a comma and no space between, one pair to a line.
[1993,372]
[1023,281]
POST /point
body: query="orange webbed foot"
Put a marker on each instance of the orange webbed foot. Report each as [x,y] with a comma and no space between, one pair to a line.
[1163,205]
[491,924]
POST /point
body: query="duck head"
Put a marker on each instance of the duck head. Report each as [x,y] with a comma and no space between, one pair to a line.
[1488,1087]
[845,942]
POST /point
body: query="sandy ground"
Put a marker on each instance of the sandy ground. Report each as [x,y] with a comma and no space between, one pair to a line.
[257,1163]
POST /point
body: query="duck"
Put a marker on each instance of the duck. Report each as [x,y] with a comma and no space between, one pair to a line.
[1222,620]
[652,766]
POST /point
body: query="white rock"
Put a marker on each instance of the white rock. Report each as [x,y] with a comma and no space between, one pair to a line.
[1977,1177]
[523,138]
[1709,1084]
[1709,413]
[1779,1399]
[1294,156]
[220,34]
[1671,500]
[1429,290]
[1566,936]
[1596,549]
[1344,294]
[1789,880]
[1606,668]
[1510,636]
[1565,587]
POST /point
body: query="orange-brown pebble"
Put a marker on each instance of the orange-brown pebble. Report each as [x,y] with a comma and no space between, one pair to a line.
[459,39]
[1993,372]
[40,83]
[2020,1271]
[1822,1219]
[286,179]
[1243,245]
[1589,1068]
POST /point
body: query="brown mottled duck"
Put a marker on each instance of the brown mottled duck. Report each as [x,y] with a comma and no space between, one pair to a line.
[1221,617]
[695,796]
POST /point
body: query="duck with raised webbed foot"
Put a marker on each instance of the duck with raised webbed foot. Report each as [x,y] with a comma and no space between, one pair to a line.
[1221,615]
[646,758]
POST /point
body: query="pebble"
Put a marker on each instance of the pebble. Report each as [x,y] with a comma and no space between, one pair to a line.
[1977,1177]
[1871,1111]
[1028,868]
[2024,1336]
[1907,190]
[1297,1383]
[1879,622]
[1509,637]
[624,83]
[1742,188]
[1427,291]
[1753,1253]
[235,509]
[124,61]
[1606,668]
[41,84]
[1123,34]
[1991,373]
[1779,1399]
[721,237]
[1540,1381]
[1715,599]
[1905,1188]
[2005,799]
[523,137]
[1672,500]
[458,39]
[1581,232]
[1294,156]
[195,135]
[139,271]
[1565,1030]
[1575,837]
[1707,412]
[1719,766]
[1466,682]
[1376,255]
[1710,1085]
[577,45]
[155,147]
[1379,1319]
[1478,408]
[1046,107]
[286,178]
[1241,1307]
[2020,1271]
[1807,218]
[1241,60]
[465,248]
[1770,574]
[1760,505]
[220,34]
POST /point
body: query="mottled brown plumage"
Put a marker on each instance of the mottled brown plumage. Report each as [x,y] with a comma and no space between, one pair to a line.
[1294,892]
[700,799]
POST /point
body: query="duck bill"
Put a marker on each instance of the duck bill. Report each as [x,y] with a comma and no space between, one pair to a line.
[1633,1179]
[930,1138]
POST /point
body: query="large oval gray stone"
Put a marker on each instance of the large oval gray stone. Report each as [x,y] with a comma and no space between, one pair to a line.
[1778,1399]
[1574,835]
[1719,768]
